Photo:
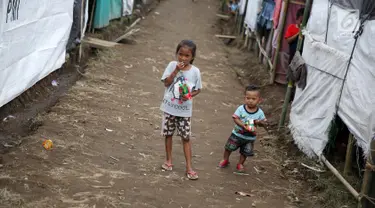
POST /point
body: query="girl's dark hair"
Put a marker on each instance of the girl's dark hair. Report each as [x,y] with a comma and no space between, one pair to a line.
[300,12]
[190,44]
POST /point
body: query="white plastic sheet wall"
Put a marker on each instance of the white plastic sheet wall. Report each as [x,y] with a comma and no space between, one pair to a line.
[127,6]
[252,9]
[33,37]
[242,7]
[314,108]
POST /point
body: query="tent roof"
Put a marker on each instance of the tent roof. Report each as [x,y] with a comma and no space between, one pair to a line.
[365,7]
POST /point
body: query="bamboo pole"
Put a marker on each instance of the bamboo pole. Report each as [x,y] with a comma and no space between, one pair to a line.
[81,29]
[238,23]
[290,83]
[279,40]
[243,17]
[368,182]
[297,2]
[90,27]
[223,4]
[348,157]
[265,54]
[367,178]
[261,48]
[249,46]
[247,34]
[269,48]
[226,36]
[252,41]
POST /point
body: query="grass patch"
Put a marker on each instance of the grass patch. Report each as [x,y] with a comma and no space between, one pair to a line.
[318,189]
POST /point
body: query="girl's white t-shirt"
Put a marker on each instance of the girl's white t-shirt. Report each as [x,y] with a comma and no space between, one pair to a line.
[172,104]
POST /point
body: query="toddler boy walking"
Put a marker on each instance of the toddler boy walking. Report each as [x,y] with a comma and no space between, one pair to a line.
[243,136]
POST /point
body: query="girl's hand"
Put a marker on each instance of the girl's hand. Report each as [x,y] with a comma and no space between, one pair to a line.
[184,98]
[180,66]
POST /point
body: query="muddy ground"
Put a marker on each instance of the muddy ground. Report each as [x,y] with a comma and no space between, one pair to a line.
[106,129]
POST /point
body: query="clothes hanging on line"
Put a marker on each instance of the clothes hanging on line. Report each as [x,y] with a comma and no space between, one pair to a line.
[276,13]
[266,14]
[297,71]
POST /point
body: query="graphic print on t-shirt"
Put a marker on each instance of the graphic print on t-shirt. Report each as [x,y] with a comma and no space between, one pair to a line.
[180,88]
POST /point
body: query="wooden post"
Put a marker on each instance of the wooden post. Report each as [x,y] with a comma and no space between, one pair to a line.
[243,17]
[81,29]
[261,46]
[247,34]
[238,23]
[279,40]
[223,4]
[285,105]
[367,178]
[91,27]
[368,184]
[269,47]
[290,83]
[250,46]
[255,35]
[348,157]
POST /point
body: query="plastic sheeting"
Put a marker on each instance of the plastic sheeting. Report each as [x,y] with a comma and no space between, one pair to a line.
[33,37]
[127,7]
[75,33]
[105,11]
[314,108]
[365,7]
[252,9]
[242,6]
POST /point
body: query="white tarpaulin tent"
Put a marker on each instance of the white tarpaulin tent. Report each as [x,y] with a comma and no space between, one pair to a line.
[127,6]
[33,37]
[242,6]
[332,86]
[252,9]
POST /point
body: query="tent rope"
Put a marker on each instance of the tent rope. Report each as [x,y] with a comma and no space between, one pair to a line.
[358,33]
[328,18]
[325,72]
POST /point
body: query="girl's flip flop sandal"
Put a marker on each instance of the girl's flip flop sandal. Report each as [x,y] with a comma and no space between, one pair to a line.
[192,175]
[167,167]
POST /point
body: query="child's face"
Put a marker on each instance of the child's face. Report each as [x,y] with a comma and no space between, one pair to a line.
[252,98]
[299,20]
[185,55]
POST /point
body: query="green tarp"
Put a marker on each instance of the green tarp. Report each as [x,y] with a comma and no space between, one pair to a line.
[106,10]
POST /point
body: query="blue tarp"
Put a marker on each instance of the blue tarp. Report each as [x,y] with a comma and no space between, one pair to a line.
[106,10]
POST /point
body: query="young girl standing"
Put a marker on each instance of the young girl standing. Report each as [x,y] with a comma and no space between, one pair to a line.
[182,81]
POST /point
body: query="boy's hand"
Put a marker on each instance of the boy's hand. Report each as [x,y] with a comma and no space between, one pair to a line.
[263,122]
[246,128]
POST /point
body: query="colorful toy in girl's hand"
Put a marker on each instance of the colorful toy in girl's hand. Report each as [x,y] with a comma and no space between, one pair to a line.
[181,90]
[185,91]
[250,125]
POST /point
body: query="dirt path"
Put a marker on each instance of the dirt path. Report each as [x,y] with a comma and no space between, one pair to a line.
[108,148]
